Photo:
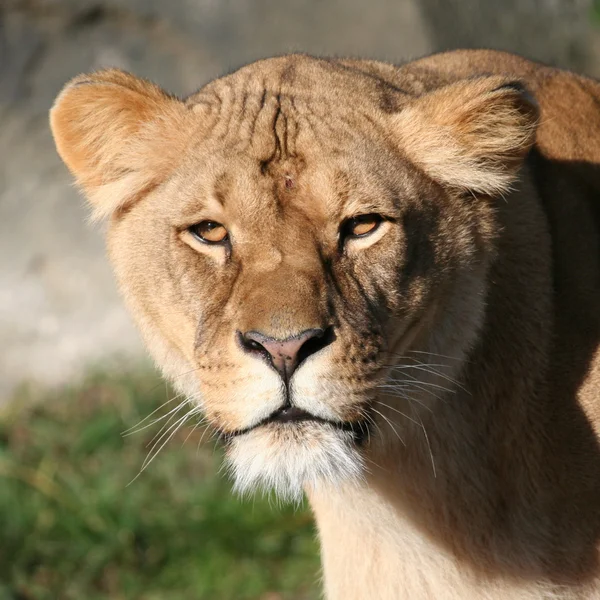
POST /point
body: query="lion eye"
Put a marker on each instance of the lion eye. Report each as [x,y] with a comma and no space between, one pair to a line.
[361,226]
[210,232]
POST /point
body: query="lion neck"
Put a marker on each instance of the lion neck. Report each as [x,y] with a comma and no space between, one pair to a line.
[485,487]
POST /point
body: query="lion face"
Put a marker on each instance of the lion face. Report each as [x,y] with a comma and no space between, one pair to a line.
[283,246]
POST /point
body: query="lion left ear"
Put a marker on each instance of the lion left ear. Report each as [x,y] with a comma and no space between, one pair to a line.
[119,135]
[472,134]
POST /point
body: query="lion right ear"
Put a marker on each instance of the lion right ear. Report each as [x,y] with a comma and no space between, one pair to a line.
[119,135]
[472,134]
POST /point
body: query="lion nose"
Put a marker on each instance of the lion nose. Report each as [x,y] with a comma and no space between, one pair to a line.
[286,355]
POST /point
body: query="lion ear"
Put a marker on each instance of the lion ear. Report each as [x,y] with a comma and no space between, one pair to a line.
[473,134]
[119,135]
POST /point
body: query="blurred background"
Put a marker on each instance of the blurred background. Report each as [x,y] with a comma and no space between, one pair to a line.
[73,375]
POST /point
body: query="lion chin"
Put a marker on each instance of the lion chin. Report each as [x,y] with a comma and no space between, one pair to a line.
[290,459]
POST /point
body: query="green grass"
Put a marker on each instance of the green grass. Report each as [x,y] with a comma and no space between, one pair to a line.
[595,12]
[71,528]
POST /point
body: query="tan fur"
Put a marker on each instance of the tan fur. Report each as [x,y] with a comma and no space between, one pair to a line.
[466,134]
[466,328]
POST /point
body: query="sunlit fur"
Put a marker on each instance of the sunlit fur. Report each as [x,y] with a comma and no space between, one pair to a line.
[453,451]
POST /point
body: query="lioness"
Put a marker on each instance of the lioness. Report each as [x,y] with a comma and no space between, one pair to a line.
[381,285]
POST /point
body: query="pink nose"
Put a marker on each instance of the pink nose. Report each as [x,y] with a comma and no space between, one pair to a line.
[286,355]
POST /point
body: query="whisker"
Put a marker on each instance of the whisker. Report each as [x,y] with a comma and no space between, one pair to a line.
[167,435]
[179,425]
[440,355]
[360,424]
[399,384]
[442,375]
[200,422]
[136,428]
[411,380]
[390,424]
[375,464]
[421,385]
[410,399]
[428,445]
[428,369]
[416,387]
[150,458]
[374,423]
[215,444]
[398,411]
[410,365]
[413,365]
[202,439]
[168,422]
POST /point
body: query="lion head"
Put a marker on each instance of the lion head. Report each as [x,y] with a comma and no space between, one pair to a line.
[287,236]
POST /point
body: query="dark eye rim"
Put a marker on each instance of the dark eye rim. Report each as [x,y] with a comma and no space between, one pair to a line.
[193,229]
[348,224]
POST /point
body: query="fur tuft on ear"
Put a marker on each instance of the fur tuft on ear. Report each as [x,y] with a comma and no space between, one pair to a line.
[473,134]
[119,135]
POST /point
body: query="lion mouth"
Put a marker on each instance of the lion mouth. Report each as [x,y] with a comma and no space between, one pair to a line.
[292,415]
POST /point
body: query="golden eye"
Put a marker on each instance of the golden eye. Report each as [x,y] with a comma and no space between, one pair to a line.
[210,232]
[361,226]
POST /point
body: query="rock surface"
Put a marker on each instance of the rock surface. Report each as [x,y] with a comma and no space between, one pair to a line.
[59,310]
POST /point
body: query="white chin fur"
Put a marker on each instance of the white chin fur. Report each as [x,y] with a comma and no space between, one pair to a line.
[288,458]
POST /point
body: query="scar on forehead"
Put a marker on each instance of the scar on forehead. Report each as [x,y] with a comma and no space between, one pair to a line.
[289,182]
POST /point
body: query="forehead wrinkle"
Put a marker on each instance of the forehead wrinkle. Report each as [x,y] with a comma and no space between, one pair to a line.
[272,124]
[254,103]
[293,127]
[247,116]
[261,132]
[286,126]
[268,126]
[311,129]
